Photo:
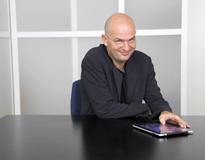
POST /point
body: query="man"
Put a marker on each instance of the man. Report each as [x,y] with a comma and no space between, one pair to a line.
[116,79]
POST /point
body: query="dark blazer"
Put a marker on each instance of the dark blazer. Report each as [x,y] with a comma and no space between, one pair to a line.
[101,86]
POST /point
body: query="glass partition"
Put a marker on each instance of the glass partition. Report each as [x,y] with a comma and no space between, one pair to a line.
[155,14]
[92,14]
[6,99]
[43,15]
[45,75]
[5,78]
[4,16]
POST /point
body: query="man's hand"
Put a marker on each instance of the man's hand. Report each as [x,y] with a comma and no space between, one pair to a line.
[165,115]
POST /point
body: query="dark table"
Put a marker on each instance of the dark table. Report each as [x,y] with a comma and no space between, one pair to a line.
[89,138]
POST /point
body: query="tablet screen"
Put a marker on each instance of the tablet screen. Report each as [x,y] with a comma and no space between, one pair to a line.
[162,130]
[167,128]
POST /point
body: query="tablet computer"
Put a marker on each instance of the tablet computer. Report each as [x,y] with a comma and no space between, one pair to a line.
[160,130]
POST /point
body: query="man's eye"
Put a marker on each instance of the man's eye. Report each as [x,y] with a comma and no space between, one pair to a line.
[131,40]
[118,41]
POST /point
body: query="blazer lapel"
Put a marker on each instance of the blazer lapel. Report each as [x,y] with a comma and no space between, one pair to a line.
[117,75]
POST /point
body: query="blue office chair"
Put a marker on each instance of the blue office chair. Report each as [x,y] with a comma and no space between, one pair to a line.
[75,98]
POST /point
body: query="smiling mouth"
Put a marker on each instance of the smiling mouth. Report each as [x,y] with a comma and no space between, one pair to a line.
[125,53]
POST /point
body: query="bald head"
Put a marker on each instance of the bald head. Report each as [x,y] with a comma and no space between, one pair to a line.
[116,20]
[119,38]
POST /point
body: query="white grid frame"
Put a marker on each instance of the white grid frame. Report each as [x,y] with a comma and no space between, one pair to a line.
[74,34]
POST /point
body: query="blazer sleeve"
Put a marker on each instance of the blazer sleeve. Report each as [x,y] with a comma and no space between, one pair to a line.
[96,88]
[153,96]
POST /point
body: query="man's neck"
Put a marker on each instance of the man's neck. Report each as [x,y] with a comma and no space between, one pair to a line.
[119,66]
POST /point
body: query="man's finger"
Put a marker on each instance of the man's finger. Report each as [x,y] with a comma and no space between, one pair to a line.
[162,121]
[176,119]
[164,117]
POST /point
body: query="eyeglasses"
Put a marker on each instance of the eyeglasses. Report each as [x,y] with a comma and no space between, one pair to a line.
[120,42]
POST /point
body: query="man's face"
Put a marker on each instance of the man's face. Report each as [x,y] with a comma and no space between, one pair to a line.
[120,43]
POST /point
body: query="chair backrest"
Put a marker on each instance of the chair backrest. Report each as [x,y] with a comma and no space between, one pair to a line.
[75,98]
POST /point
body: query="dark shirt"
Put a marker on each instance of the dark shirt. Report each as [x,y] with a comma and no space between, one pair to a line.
[123,88]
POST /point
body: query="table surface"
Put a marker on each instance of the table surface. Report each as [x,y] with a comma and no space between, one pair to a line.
[41,137]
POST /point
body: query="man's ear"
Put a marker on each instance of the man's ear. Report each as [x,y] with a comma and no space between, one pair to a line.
[104,39]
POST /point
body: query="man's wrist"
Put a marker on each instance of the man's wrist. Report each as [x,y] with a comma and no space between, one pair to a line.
[164,112]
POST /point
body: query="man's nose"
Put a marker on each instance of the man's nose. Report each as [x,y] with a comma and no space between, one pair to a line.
[126,45]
